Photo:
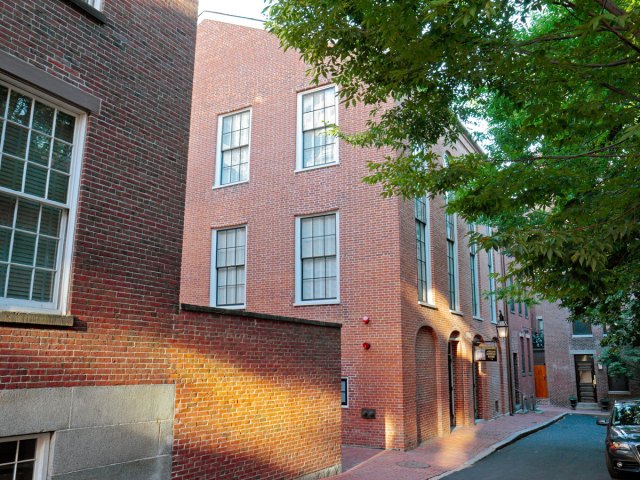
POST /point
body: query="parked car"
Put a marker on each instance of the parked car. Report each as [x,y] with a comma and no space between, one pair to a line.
[622,442]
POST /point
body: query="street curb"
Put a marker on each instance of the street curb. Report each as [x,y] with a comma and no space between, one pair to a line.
[502,443]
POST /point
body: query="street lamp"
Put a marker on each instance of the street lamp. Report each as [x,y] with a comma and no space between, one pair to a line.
[502,326]
[503,332]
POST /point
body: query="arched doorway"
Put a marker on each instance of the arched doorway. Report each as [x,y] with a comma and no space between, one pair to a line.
[426,384]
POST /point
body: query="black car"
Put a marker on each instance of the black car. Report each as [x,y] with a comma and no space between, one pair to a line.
[623,439]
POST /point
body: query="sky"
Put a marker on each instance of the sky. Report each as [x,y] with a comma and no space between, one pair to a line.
[243,8]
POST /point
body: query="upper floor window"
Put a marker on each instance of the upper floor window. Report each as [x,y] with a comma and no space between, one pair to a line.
[475,281]
[512,303]
[228,282]
[317,115]
[452,261]
[423,244]
[344,392]
[40,153]
[232,159]
[317,260]
[492,282]
[581,328]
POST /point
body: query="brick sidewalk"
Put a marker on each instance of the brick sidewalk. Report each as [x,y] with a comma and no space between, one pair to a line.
[441,456]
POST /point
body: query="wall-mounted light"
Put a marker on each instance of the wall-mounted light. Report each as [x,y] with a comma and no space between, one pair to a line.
[365,320]
[366,345]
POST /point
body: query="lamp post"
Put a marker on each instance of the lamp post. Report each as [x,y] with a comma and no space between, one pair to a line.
[503,332]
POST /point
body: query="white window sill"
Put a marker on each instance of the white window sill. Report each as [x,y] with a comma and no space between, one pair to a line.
[230,307]
[456,312]
[619,392]
[582,336]
[344,406]
[216,187]
[311,303]
[480,319]
[427,304]
[316,167]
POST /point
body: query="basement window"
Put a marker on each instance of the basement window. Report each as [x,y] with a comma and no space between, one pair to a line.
[24,458]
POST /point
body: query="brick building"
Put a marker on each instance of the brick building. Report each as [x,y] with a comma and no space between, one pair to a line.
[279,221]
[101,375]
[570,352]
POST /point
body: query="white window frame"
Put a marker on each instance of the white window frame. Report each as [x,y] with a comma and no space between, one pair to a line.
[213,287]
[299,132]
[491,267]
[298,264]
[455,273]
[42,452]
[217,183]
[60,303]
[426,226]
[344,380]
[476,309]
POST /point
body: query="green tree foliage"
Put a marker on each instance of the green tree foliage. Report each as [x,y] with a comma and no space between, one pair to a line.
[558,82]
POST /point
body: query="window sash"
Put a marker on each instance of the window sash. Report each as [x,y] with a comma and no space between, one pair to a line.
[318,258]
[492,283]
[318,114]
[39,157]
[423,254]
[234,139]
[344,392]
[230,267]
[27,455]
[581,328]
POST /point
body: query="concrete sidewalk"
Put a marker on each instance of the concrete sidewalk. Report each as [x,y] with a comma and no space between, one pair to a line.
[441,456]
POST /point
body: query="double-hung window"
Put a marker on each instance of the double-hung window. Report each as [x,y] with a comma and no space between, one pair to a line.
[228,279]
[344,392]
[425,288]
[40,152]
[24,458]
[317,115]
[232,159]
[317,259]
[475,281]
[492,282]
[452,260]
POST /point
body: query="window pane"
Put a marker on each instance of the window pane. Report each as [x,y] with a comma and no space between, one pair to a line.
[65,125]
[8,451]
[28,214]
[15,140]
[24,471]
[3,278]
[58,185]
[307,290]
[318,288]
[307,121]
[20,108]
[47,249]
[7,206]
[24,246]
[39,148]
[5,240]
[307,103]
[318,268]
[330,245]
[43,118]
[6,472]
[61,159]
[43,286]
[36,180]
[226,125]
[50,221]
[19,282]
[11,171]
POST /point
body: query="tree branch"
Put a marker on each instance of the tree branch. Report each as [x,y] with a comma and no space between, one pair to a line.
[611,7]
[620,91]
[570,157]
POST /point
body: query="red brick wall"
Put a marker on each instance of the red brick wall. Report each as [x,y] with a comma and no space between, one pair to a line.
[255,399]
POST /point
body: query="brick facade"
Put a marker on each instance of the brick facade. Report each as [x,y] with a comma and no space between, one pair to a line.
[275,381]
[404,375]
[560,350]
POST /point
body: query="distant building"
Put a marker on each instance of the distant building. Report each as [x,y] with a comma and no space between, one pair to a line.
[278,221]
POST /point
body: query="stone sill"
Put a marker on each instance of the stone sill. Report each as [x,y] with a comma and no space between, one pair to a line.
[25,318]
[93,13]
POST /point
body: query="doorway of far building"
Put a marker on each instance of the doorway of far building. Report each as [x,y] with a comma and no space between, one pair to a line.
[478,382]
[585,378]
[455,387]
